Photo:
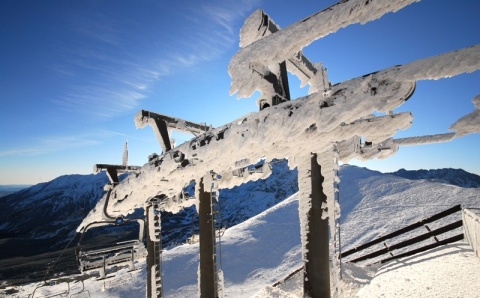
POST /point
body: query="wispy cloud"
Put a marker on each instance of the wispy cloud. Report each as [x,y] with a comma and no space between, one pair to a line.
[52,144]
[99,27]
[107,74]
[221,20]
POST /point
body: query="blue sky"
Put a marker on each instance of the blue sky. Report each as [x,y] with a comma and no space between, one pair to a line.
[74,73]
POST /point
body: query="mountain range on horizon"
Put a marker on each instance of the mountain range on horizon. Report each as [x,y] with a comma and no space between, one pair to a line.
[41,219]
[458,177]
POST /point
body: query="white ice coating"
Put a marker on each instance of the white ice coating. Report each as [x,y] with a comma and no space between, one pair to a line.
[465,60]
[313,74]
[430,139]
[469,123]
[152,230]
[282,45]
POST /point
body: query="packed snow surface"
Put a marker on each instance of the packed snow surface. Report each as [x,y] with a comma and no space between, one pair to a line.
[448,271]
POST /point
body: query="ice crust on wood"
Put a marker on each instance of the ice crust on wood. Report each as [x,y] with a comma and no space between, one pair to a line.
[430,139]
[469,123]
[313,123]
[280,46]
[256,135]
[259,25]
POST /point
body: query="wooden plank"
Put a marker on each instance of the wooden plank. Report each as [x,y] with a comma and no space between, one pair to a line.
[403,230]
[411,241]
[427,247]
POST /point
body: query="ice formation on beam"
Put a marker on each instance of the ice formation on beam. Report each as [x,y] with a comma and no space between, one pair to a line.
[314,122]
[414,141]
[469,123]
[162,126]
[281,46]
[257,26]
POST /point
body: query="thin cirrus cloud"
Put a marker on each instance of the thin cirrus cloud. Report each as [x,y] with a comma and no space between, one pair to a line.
[53,144]
[220,31]
[48,145]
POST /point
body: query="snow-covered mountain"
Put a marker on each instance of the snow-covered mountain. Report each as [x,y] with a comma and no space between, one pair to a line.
[38,221]
[43,218]
[456,177]
[47,211]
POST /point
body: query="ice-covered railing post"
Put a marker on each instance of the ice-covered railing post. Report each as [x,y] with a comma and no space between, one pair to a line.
[154,249]
[209,282]
[314,225]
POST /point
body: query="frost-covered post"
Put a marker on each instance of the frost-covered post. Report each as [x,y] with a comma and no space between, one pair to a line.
[154,268]
[314,229]
[206,279]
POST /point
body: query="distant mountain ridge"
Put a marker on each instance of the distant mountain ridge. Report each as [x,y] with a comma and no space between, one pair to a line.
[9,189]
[48,211]
[456,177]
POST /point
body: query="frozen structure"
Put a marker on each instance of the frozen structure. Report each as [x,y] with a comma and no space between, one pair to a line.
[333,124]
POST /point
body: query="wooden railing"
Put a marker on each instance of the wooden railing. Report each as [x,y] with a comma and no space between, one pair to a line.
[387,249]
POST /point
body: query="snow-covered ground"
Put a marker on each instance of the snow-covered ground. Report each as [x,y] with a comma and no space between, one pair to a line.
[266,248]
[448,271]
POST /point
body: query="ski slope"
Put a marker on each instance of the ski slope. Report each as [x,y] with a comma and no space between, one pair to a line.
[266,248]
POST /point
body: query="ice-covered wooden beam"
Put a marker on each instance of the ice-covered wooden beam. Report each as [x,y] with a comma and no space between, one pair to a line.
[469,123]
[254,136]
[381,149]
[162,124]
[466,60]
[421,140]
[259,25]
[283,44]
[114,170]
